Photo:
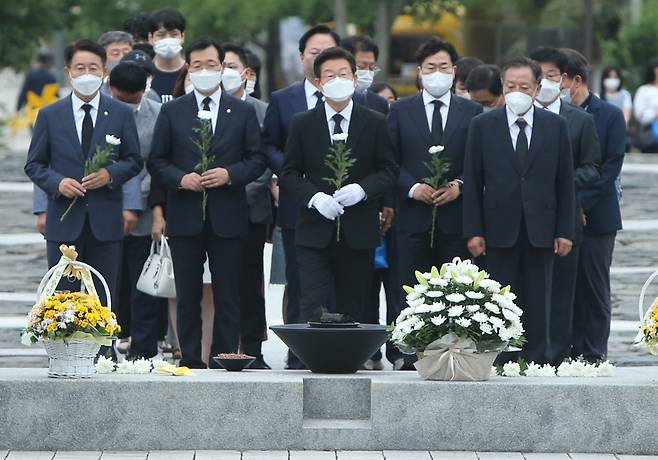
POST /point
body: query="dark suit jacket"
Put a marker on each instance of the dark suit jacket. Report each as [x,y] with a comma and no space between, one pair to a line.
[375,102]
[236,146]
[55,153]
[411,137]
[304,169]
[586,154]
[600,201]
[500,193]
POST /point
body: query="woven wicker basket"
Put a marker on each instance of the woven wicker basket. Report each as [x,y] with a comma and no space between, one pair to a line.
[72,358]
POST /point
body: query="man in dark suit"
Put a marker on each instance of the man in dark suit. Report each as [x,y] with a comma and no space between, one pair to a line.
[66,134]
[587,157]
[432,117]
[236,147]
[321,254]
[366,53]
[284,103]
[602,220]
[519,198]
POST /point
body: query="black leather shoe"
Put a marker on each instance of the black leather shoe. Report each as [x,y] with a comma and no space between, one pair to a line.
[259,363]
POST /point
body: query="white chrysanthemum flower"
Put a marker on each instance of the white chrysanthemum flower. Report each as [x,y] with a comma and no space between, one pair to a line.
[142,366]
[505,334]
[533,370]
[416,302]
[494,371]
[492,307]
[104,365]
[112,140]
[474,295]
[435,149]
[438,282]
[511,369]
[419,325]
[125,367]
[486,328]
[437,307]
[423,309]
[427,276]
[472,308]
[420,288]
[413,296]
[159,363]
[547,371]
[434,294]
[510,315]
[455,311]
[496,322]
[490,285]
[589,370]
[438,320]
[204,115]
[463,322]
[463,279]
[605,369]
[455,297]
[480,317]
[341,137]
[566,370]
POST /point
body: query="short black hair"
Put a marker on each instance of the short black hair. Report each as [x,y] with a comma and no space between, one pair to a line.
[201,44]
[84,44]
[605,73]
[433,46]
[485,76]
[329,55]
[146,47]
[379,87]
[650,71]
[522,61]
[141,59]
[320,29]
[253,61]
[363,43]
[169,18]
[231,48]
[576,64]
[139,26]
[129,77]
[550,55]
[463,67]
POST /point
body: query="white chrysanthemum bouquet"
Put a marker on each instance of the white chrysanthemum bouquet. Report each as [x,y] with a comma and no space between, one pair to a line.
[461,303]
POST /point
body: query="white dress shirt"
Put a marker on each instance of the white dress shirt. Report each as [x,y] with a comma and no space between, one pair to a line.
[514,129]
[344,123]
[79,112]
[553,106]
[311,98]
[645,104]
[428,100]
[214,105]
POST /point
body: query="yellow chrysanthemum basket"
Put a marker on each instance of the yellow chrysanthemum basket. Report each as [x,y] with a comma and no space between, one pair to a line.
[71,325]
[648,333]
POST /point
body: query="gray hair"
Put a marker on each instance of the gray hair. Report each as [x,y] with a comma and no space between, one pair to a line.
[115,36]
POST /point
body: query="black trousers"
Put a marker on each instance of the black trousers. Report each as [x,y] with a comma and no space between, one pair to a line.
[141,310]
[529,271]
[565,271]
[252,298]
[225,260]
[415,253]
[592,308]
[389,278]
[104,256]
[348,271]
[292,276]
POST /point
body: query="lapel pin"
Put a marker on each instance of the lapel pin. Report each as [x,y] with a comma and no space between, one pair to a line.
[228,110]
[105,113]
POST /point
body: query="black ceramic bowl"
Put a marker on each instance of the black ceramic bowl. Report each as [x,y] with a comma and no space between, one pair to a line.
[233,364]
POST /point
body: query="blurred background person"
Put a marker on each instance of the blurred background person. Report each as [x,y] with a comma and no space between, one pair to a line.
[386,91]
[645,108]
[37,77]
[463,68]
[613,91]
[485,86]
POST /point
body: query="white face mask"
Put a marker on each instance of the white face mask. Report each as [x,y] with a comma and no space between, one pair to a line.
[437,83]
[339,89]
[189,88]
[518,102]
[205,80]
[86,84]
[565,95]
[611,84]
[167,48]
[250,86]
[231,80]
[364,79]
[550,90]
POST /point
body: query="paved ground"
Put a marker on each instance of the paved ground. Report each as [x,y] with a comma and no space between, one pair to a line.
[309,455]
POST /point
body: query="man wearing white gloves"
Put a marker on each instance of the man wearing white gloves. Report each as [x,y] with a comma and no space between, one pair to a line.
[337,227]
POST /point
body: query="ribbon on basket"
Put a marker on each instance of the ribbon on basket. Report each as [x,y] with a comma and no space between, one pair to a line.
[452,358]
[66,267]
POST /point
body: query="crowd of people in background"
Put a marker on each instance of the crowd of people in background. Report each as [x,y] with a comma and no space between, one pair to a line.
[538,209]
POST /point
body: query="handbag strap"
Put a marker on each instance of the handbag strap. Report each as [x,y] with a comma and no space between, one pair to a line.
[164,247]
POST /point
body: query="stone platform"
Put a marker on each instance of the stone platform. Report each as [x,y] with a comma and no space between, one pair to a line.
[272,410]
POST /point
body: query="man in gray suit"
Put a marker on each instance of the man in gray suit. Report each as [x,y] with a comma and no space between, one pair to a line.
[586,160]
[259,200]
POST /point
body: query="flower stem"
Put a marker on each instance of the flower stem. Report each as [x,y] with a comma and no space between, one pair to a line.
[204,201]
[433,224]
[75,200]
[338,230]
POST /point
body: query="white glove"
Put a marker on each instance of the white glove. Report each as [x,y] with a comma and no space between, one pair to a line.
[326,205]
[349,195]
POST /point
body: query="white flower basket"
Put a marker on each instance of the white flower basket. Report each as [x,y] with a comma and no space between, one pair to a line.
[652,347]
[71,358]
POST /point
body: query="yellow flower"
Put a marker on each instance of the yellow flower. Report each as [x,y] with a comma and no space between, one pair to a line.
[52,327]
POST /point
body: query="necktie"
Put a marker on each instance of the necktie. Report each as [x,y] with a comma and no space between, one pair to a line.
[337,119]
[437,123]
[206,107]
[318,94]
[87,130]
[521,140]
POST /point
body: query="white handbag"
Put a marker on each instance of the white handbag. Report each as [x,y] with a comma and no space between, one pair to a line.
[157,277]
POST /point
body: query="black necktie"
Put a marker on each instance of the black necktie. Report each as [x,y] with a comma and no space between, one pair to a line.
[521,140]
[206,107]
[337,119]
[318,94]
[87,130]
[437,123]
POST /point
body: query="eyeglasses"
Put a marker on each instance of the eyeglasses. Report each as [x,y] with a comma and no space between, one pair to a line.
[208,65]
[375,68]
